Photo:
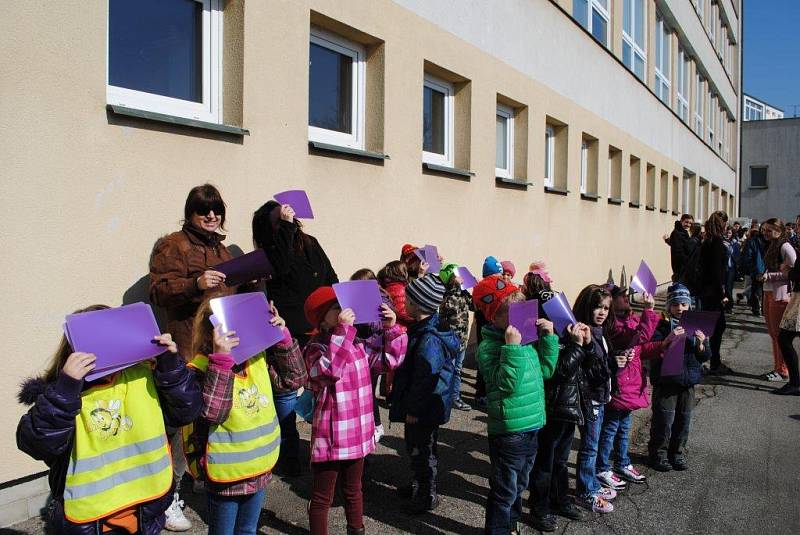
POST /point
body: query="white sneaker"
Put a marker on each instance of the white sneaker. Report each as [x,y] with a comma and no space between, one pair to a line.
[607,494]
[176,521]
[632,474]
[611,480]
[378,433]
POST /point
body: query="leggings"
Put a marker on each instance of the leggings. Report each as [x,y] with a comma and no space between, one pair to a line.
[773,313]
[785,339]
[348,474]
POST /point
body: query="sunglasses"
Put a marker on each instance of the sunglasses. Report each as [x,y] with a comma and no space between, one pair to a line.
[205,210]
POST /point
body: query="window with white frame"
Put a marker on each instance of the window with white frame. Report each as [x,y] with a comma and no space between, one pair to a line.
[633,36]
[437,121]
[549,155]
[584,165]
[753,111]
[713,22]
[662,66]
[728,135]
[683,85]
[700,6]
[711,119]
[504,142]
[593,15]
[685,198]
[699,97]
[720,129]
[165,56]
[336,90]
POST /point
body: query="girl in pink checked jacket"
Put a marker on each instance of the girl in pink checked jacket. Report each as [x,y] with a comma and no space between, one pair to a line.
[340,368]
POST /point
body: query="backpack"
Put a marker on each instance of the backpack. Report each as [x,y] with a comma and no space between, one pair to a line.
[690,276]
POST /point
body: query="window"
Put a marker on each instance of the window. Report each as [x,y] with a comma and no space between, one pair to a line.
[635,179]
[633,36]
[712,23]
[437,121]
[584,164]
[650,187]
[614,173]
[753,111]
[662,67]
[710,120]
[336,90]
[683,85]
[687,182]
[164,56]
[720,130]
[664,189]
[593,15]
[758,177]
[700,6]
[504,147]
[549,155]
[676,187]
[698,105]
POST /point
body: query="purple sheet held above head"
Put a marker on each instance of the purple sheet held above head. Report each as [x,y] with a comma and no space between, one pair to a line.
[251,266]
[559,312]
[298,200]
[363,297]
[523,316]
[469,280]
[248,315]
[644,280]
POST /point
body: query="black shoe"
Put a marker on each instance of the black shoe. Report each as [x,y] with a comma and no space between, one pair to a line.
[787,390]
[660,465]
[679,464]
[353,531]
[424,504]
[407,491]
[460,405]
[547,522]
[290,467]
[571,511]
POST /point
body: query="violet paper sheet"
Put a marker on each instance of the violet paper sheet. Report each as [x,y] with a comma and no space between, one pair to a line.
[693,321]
[363,297]
[469,280]
[119,337]
[523,316]
[559,312]
[248,315]
[644,280]
[298,200]
[672,363]
[251,266]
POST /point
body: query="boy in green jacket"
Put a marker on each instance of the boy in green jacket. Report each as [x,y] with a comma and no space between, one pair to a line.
[514,376]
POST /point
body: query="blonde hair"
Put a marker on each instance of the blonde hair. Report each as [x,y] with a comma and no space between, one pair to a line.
[64,349]
[202,330]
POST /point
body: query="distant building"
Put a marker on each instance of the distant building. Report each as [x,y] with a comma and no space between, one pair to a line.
[758,110]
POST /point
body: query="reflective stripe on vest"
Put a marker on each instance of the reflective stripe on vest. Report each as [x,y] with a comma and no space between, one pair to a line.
[120,456]
[247,444]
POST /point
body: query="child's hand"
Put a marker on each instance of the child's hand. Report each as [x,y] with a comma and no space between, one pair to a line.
[287,213]
[629,353]
[587,333]
[545,326]
[224,342]
[165,340]
[513,336]
[423,268]
[277,320]
[389,317]
[78,365]
[676,332]
[649,301]
[700,335]
[621,360]
[575,333]
[459,280]
[347,317]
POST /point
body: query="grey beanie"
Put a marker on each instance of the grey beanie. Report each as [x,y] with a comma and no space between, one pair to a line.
[427,292]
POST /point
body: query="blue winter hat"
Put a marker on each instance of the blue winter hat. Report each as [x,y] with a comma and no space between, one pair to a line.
[678,293]
[491,266]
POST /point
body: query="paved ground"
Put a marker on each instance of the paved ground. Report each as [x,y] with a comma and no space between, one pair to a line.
[744,476]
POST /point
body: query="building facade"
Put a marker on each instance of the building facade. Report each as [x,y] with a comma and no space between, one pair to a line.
[611,118]
[758,110]
[771,169]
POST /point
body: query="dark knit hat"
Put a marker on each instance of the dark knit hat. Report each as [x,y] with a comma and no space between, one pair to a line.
[615,290]
[678,293]
[427,292]
[318,303]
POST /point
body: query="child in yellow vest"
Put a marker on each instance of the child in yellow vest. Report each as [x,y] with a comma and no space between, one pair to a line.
[106,448]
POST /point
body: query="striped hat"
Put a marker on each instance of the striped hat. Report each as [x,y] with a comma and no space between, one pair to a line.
[427,292]
[678,293]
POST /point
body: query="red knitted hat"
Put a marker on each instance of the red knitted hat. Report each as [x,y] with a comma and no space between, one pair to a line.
[407,250]
[318,303]
[490,293]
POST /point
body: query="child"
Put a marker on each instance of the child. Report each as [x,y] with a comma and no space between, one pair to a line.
[626,329]
[393,278]
[423,389]
[514,377]
[342,432]
[491,266]
[536,285]
[509,270]
[234,444]
[416,266]
[72,423]
[673,396]
[592,307]
[454,316]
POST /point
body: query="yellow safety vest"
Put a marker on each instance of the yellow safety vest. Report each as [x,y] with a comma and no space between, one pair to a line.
[247,444]
[120,455]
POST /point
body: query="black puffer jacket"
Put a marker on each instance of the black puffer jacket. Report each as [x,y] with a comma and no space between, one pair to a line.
[566,392]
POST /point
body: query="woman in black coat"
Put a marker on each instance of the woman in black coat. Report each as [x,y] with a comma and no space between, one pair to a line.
[713,263]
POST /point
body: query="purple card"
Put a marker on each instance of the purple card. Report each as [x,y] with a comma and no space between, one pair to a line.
[298,200]
[363,297]
[672,364]
[248,314]
[523,316]
[430,254]
[559,312]
[118,337]
[245,268]
[644,280]
[693,321]
[469,280]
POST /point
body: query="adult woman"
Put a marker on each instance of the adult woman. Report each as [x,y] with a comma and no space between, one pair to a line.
[779,256]
[789,330]
[712,264]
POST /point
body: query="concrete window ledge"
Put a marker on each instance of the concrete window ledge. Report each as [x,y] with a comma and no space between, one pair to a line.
[515,182]
[650,208]
[590,197]
[634,205]
[663,211]
[614,200]
[181,121]
[674,212]
[349,151]
[555,191]
[463,174]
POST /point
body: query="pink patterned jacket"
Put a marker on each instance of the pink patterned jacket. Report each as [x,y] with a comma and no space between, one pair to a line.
[340,369]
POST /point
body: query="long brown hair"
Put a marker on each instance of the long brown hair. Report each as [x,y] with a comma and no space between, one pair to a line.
[202,199]
[202,330]
[65,350]
[715,226]
[394,271]
[589,299]
[772,258]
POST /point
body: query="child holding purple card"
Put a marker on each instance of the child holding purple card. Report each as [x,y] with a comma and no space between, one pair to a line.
[673,396]
[73,422]
[454,316]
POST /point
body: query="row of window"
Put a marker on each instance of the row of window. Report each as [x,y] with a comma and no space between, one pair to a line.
[718,32]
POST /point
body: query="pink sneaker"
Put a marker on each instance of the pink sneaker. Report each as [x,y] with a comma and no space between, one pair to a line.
[611,480]
[596,504]
[607,494]
[631,474]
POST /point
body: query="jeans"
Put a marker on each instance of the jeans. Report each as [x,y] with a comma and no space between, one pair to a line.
[614,434]
[549,481]
[457,379]
[586,480]
[290,438]
[234,515]
[672,420]
[785,339]
[512,457]
[423,449]
[323,486]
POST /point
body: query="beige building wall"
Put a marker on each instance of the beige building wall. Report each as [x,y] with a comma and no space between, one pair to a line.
[87,192]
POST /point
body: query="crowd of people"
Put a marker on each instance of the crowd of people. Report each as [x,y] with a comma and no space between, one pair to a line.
[115,468]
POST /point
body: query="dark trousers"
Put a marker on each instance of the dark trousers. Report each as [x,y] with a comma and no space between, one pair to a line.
[672,420]
[719,330]
[376,409]
[512,457]
[326,475]
[756,295]
[785,339]
[423,450]
[549,482]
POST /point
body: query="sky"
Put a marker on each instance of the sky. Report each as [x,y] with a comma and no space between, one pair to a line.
[772,52]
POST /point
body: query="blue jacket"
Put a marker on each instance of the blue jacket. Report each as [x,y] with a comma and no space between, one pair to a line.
[753,256]
[692,359]
[423,385]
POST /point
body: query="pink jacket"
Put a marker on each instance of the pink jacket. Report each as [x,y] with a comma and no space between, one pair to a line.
[776,282]
[340,369]
[632,331]
[632,392]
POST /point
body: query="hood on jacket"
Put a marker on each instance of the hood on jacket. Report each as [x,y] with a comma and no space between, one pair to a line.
[30,390]
[431,326]
[678,225]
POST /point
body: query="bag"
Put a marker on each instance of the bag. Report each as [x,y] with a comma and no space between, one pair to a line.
[305,405]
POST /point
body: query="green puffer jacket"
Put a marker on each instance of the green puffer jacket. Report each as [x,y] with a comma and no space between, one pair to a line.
[515,376]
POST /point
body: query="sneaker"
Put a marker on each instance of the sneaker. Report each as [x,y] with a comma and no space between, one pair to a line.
[629,473]
[661,465]
[607,494]
[679,464]
[176,521]
[424,505]
[571,511]
[611,480]
[378,433]
[596,504]
[787,390]
[547,522]
[460,405]
[481,402]
[199,486]
[772,376]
